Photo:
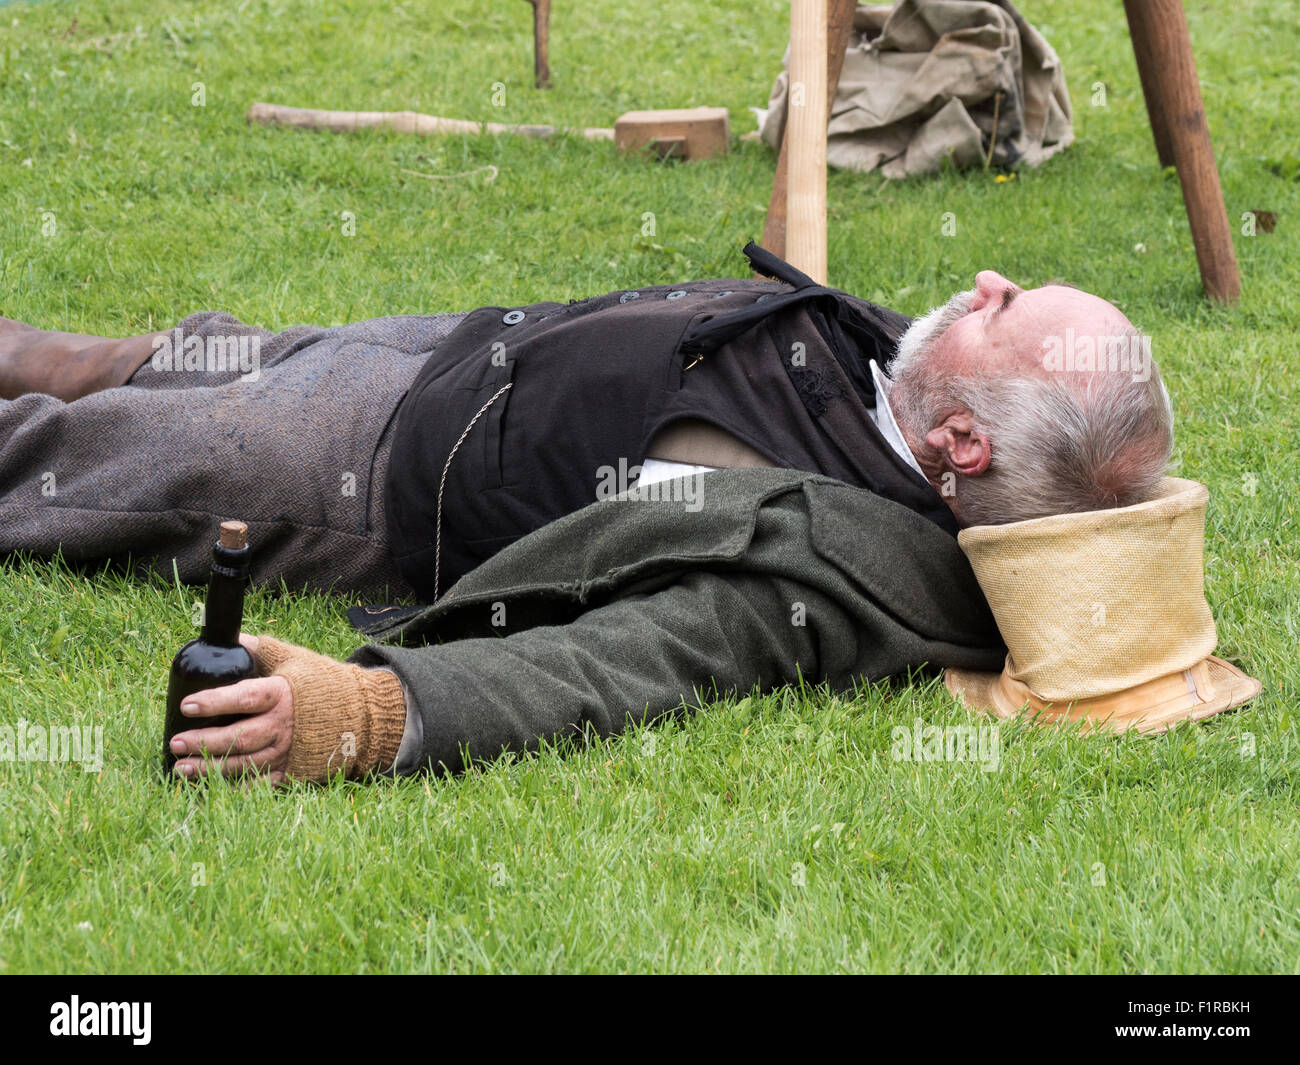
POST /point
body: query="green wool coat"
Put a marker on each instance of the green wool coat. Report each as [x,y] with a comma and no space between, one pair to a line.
[625,610]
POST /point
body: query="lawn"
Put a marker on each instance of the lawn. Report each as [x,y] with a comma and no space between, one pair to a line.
[769,833]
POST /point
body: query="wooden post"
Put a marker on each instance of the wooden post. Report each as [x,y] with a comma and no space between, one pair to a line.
[541,43]
[1139,31]
[805,131]
[1163,48]
[838,30]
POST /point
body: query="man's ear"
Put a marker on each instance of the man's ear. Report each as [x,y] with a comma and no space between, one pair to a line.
[963,448]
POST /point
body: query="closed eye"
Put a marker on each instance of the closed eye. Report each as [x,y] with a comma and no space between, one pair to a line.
[1003,302]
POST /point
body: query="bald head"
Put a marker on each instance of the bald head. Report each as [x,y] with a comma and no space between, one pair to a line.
[1023,402]
[998,327]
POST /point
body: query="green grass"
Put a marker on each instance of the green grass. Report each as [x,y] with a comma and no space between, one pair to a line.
[766,834]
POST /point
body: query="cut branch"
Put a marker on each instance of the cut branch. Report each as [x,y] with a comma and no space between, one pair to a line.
[403,122]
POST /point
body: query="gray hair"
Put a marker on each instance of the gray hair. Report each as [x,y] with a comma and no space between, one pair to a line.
[1061,443]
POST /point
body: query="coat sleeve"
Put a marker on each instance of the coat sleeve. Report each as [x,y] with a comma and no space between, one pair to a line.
[637,658]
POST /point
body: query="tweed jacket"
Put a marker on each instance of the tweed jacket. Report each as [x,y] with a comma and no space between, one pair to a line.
[630,608]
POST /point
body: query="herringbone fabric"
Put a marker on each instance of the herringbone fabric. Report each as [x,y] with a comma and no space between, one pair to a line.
[299,452]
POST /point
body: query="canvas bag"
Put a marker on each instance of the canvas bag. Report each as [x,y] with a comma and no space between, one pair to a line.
[919,83]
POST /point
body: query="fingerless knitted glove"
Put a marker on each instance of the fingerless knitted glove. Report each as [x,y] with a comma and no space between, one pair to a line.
[345,718]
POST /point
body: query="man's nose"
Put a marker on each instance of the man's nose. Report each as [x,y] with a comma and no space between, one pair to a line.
[989,285]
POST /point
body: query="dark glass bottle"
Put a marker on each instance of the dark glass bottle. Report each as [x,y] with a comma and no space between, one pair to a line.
[217,657]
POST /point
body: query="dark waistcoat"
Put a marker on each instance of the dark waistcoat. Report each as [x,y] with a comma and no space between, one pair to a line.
[523,415]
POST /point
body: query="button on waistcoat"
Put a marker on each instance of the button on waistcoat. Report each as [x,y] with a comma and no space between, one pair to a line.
[566,395]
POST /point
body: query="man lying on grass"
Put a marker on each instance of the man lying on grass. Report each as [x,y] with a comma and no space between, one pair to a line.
[715,485]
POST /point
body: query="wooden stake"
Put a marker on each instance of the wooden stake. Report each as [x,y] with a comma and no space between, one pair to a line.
[1140,32]
[1163,47]
[806,132]
[541,43]
[839,30]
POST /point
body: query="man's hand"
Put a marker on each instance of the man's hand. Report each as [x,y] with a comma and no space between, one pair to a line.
[256,744]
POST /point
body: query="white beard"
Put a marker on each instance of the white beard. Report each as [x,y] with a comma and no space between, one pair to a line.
[915,345]
[910,369]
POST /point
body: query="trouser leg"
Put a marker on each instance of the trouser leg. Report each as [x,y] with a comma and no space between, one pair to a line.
[298,451]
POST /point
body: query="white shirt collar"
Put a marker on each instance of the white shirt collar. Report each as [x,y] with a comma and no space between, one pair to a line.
[885,418]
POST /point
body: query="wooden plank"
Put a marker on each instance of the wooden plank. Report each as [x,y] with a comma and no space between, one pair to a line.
[704,130]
